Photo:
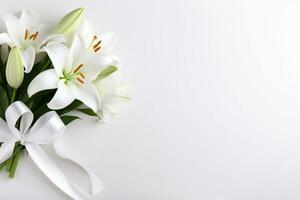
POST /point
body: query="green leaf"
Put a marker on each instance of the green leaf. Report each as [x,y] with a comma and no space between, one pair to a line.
[18,147]
[73,106]
[40,111]
[14,165]
[89,112]
[2,71]
[37,68]
[68,119]
[4,102]
[106,72]
[2,165]
[40,99]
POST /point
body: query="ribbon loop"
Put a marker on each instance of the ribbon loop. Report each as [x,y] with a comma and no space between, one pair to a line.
[13,113]
[5,133]
[47,129]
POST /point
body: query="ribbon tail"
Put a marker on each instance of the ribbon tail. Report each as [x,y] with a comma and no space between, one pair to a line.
[6,150]
[55,174]
[94,182]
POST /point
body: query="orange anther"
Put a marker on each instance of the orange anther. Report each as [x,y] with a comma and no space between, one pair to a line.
[26,34]
[78,68]
[81,81]
[97,44]
[81,74]
[97,49]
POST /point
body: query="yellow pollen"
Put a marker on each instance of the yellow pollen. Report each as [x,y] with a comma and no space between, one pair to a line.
[78,68]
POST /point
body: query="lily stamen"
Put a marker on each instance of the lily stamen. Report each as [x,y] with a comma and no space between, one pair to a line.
[97,44]
[35,35]
[26,34]
[92,42]
[29,36]
[97,49]
[81,74]
[81,81]
[78,68]
[76,74]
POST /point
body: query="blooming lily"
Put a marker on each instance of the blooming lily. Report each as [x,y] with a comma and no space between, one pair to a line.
[96,43]
[27,34]
[73,75]
[111,93]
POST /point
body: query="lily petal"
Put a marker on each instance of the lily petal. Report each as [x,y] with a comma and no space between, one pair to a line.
[87,94]
[56,38]
[112,94]
[5,39]
[94,65]
[28,56]
[15,28]
[60,57]
[62,98]
[44,81]
[77,49]
[29,19]
[108,40]
[87,33]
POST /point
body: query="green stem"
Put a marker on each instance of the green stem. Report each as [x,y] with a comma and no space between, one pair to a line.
[14,165]
[46,65]
[2,165]
[9,162]
[13,96]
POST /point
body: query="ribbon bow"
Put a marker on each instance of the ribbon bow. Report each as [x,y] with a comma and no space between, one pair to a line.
[46,130]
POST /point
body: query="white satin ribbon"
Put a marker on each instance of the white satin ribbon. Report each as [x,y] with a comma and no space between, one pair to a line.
[46,130]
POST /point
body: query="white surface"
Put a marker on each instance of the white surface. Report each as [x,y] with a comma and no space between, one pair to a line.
[216,102]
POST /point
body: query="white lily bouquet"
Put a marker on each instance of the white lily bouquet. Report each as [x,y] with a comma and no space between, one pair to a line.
[45,73]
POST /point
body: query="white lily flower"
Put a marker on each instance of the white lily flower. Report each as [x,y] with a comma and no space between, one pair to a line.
[96,43]
[112,93]
[27,34]
[72,75]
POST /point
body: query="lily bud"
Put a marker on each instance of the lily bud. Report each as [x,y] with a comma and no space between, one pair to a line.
[70,22]
[14,68]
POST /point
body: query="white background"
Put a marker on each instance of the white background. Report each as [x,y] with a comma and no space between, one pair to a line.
[215,107]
